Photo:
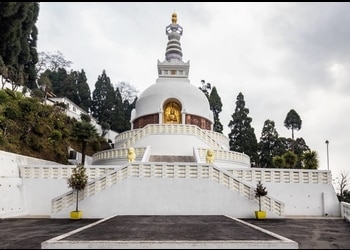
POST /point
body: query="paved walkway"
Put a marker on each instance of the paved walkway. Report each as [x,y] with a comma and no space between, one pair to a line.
[320,233]
[310,233]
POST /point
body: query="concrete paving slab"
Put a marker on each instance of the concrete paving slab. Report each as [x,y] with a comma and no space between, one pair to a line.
[309,233]
[168,232]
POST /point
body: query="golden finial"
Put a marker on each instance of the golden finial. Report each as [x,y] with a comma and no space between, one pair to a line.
[174,18]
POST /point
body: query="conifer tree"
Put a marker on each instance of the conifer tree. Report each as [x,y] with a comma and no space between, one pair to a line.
[57,79]
[300,148]
[267,144]
[103,99]
[292,121]
[80,90]
[216,106]
[83,91]
[281,146]
[69,88]
[118,115]
[242,137]
[18,41]
[214,103]
[71,85]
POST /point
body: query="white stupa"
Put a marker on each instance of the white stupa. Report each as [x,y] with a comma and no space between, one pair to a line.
[171,162]
[174,118]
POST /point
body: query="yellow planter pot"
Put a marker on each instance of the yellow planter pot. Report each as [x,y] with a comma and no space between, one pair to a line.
[76,215]
[260,214]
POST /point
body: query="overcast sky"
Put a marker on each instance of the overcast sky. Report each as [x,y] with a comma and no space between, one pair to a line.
[280,56]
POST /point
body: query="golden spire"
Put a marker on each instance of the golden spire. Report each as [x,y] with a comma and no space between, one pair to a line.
[174,17]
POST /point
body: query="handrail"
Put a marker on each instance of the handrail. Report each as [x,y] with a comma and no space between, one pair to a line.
[60,171]
[273,175]
[128,138]
[117,153]
[283,175]
[224,155]
[345,211]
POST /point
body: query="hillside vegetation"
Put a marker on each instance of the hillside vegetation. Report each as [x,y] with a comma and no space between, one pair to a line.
[30,128]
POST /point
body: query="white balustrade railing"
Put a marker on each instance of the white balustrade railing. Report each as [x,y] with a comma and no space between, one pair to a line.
[60,172]
[224,155]
[220,138]
[121,153]
[282,175]
[250,175]
[128,138]
[168,170]
[345,211]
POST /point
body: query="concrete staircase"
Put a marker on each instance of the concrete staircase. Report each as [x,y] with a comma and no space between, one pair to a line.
[171,158]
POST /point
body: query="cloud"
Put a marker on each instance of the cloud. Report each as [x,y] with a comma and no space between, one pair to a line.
[281,56]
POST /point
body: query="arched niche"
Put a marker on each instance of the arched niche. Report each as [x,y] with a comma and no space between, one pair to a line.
[172,112]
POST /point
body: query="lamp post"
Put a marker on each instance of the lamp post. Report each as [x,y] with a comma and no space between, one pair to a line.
[327,142]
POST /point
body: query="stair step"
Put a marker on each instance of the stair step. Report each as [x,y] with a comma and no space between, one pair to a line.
[171,158]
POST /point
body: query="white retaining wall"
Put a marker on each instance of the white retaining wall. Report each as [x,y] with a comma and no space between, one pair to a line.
[12,192]
[159,196]
[153,195]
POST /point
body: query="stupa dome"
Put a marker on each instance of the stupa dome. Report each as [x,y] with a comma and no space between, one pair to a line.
[192,99]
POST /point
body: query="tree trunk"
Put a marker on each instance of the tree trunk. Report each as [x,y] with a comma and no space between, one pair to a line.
[259,203]
[83,151]
[77,201]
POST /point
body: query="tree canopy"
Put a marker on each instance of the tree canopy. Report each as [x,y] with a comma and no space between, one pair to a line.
[268,144]
[292,121]
[310,159]
[242,137]
[84,132]
[216,106]
[18,41]
[103,98]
